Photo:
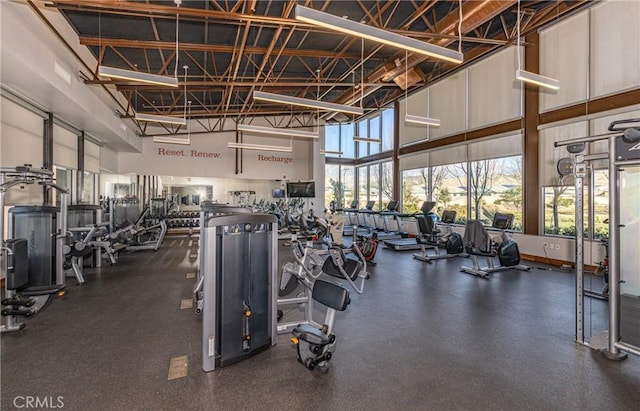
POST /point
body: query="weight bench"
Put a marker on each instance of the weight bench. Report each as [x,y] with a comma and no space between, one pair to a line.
[315,345]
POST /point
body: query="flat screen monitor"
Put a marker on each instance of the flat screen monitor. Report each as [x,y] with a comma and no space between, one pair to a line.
[307,189]
[502,221]
[277,193]
[449,216]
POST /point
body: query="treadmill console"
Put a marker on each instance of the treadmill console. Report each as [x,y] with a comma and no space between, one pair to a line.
[369,206]
[502,221]
[448,216]
[392,206]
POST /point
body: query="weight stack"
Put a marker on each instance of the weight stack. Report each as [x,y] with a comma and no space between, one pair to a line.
[239,258]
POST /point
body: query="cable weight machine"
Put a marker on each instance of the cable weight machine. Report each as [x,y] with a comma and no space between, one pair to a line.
[623,156]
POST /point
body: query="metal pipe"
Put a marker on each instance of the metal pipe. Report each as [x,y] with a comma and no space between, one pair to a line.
[579,181]
[614,263]
[627,347]
[592,157]
[587,139]
[62,234]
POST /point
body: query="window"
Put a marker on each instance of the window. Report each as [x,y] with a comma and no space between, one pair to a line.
[387,129]
[415,189]
[386,184]
[339,185]
[348,182]
[374,132]
[64,179]
[363,131]
[332,187]
[346,140]
[560,207]
[339,137]
[363,186]
[90,184]
[332,138]
[600,203]
[457,186]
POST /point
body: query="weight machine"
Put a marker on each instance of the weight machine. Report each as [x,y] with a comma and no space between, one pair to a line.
[623,155]
[31,279]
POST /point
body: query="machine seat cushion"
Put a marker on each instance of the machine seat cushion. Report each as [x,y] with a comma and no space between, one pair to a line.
[310,334]
[330,294]
[18,274]
[476,239]
[351,267]
[41,290]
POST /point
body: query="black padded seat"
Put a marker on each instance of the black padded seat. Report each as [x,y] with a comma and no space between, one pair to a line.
[311,334]
[429,234]
[476,239]
[351,267]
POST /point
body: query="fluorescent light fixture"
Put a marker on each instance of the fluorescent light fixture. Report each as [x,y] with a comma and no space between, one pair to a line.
[161,119]
[138,76]
[367,140]
[260,147]
[331,152]
[353,28]
[305,102]
[172,140]
[287,132]
[408,118]
[537,79]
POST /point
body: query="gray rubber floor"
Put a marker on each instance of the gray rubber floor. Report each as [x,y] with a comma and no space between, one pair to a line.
[421,337]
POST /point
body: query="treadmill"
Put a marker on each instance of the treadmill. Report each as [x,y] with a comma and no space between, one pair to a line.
[354,213]
[412,243]
[391,211]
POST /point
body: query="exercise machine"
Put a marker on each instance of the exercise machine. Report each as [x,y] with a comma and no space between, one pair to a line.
[412,243]
[478,243]
[433,238]
[33,256]
[384,225]
[209,210]
[623,156]
[315,342]
[603,268]
[239,288]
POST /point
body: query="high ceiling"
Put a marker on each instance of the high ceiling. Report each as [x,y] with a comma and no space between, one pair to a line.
[232,48]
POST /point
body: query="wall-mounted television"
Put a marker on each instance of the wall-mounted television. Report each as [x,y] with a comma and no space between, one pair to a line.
[277,193]
[307,189]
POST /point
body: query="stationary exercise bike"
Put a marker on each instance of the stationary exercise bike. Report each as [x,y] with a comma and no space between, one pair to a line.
[478,242]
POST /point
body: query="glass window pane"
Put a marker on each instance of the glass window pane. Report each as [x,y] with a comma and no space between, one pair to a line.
[374,185]
[332,188]
[387,129]
[414,189]
[559,210]
[386,190]
[505,195]
[348,182]
[346,140]
[374,132]
[601,203]
[88,188]
[332,138]
[363,191]
[456,183]
[363,131]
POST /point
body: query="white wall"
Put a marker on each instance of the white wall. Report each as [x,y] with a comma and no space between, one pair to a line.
[36,65]
[209,156]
